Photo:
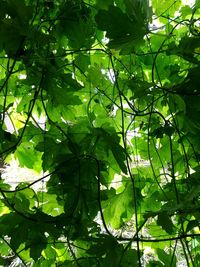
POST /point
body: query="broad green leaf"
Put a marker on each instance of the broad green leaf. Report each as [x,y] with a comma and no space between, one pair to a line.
[118,208]
[167,259]
[191,225]
[28,157]
[120,29]
[82,62]
[130,258]
[77,24]
[167,7]
[111,140]
[165,222]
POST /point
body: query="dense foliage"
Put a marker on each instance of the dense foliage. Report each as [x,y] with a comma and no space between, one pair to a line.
[117,86]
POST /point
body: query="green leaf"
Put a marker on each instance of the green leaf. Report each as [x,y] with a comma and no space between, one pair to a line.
[130,258]
[101,4]
[165,222]
[49,253]
[167,259]
[82,62]
[37,248]
[191,225]
[63,94]
[118,208]
[154,264]
[120,29]
[28,157]
[167,7]
[139,88]
[4,248]
[112,140]
[8,140]
[77,24]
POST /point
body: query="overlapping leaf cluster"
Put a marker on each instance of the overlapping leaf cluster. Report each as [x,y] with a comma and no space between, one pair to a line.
[117,86]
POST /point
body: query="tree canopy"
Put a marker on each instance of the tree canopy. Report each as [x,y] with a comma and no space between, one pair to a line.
[102,100]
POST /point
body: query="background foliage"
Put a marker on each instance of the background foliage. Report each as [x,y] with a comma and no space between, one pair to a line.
[116,84]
